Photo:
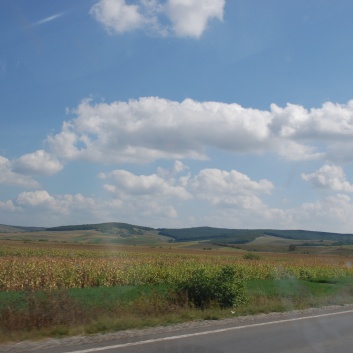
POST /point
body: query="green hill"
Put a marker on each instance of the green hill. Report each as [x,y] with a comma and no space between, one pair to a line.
[15,229]
[118,232]
[239,236]
[111,227]
[310,235]
[242,236]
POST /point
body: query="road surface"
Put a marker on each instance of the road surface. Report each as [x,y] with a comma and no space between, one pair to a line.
[328,331]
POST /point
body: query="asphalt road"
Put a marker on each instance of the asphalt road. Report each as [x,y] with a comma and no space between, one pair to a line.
[323,332]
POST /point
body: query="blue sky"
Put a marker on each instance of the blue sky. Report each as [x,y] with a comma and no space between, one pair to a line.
[177,113]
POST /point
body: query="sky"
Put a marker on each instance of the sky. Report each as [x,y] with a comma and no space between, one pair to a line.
[177,113]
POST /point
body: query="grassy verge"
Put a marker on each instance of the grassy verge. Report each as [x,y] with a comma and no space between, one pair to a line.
[290,294]
[34,315]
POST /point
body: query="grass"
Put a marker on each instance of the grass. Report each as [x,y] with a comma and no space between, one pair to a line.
[39,314]
[35,315]
[290,294]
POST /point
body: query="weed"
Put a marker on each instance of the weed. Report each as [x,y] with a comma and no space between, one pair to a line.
[41,310]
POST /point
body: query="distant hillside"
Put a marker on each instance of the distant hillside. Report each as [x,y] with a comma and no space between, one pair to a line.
[310,235]
[242,236]
[111,227]
[15,229]
[221,236]
[238,236]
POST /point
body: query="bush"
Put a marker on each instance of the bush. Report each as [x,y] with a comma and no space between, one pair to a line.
[251,256]
[223,289]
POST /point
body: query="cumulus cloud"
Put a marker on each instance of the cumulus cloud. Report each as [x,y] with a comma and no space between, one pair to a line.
[177,168]
[126,183]
[190,18]
[39,207]
[148,195]
[117,15]
[227,199]
[9,177]
[42,208]
[297,151]
[329,177]
[153,199]
[332,214]
[219,188]
[8,206]
[183,18]
[152,128]
[35,198]
[232,188]
[332,121]
[235,200]
[39,163]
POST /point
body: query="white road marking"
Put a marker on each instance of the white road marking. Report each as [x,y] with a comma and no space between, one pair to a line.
[206,332]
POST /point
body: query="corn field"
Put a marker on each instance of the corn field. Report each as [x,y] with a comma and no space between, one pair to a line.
[36,268]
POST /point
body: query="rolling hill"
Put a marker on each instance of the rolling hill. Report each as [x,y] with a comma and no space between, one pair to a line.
[115,232]
[15,229]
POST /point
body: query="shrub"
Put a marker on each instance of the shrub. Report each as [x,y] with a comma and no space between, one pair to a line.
[251,256]
[292,247]
[223,289]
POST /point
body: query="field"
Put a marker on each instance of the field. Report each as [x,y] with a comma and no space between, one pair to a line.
[55,288]
[48,266]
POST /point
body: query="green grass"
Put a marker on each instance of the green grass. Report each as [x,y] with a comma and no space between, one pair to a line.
[289,294]
[110,297]
[35,315]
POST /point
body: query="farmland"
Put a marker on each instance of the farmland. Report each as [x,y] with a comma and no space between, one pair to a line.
[61,282]
[44,266]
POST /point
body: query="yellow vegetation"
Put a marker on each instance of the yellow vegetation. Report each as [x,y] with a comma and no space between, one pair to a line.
[45,267]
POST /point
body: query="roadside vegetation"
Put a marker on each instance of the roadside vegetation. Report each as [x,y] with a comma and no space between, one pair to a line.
[59,290]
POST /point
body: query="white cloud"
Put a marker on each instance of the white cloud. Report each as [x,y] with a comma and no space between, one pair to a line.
[153,197]
[35,198]
[128,185]
[152,128]
[232,188]
[186,18]
[340,151]
[332,121]
[62,204]
[295,151]
[117,15]
[8,206]
[10,177]
[177,168]
[190,17]
[329,177]
[39,163]
[65,143]
[219,188]
[41,208]
[332,214]
[225,198]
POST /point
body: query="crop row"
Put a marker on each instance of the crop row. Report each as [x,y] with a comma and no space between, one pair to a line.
[36,272]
